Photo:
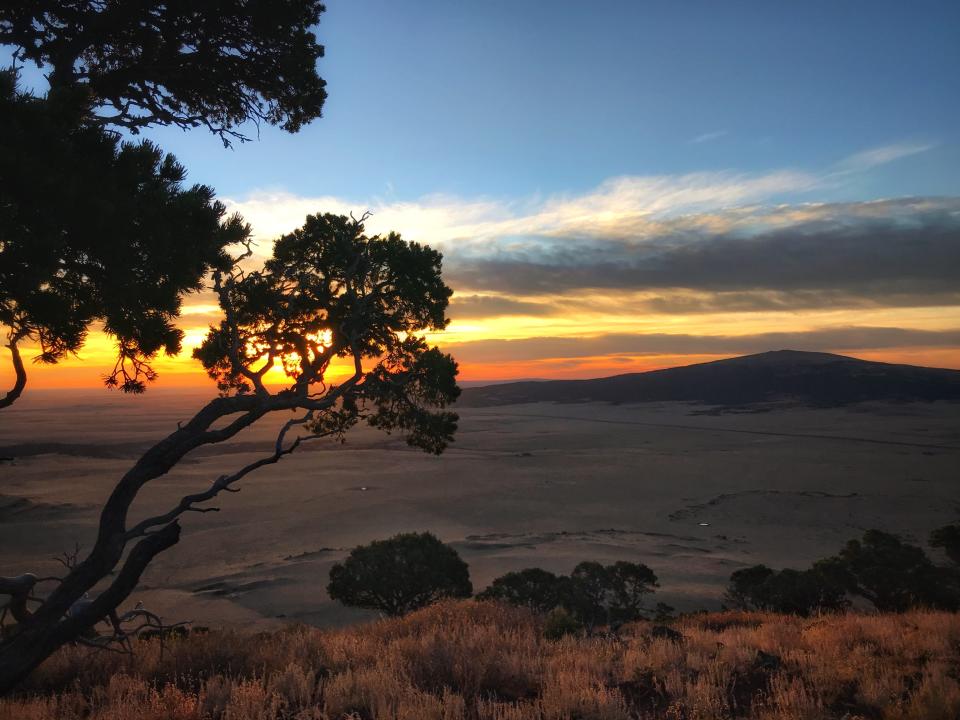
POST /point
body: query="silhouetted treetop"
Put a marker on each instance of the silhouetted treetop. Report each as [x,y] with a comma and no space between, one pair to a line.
[330,291]
[538,589]
[216,64]
[797,592]
[91,230]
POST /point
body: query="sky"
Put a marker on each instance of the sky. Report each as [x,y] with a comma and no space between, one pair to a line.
[623,186]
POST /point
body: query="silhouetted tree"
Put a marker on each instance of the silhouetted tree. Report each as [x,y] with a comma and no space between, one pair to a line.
[216,64]
[404,573]
[587,593]
[745,590]
[92,230]
[893,575]
[609,594]
[328,292]
[593,593]
[795,592]
[95,230]
[629,584]
[948,538]
[539,590]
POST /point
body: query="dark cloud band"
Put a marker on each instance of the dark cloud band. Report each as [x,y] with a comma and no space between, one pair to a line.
[832,339]
[874,250]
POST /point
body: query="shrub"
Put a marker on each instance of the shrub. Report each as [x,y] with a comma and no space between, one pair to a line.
[560,622]
[593,593]
[403,573]
[796,592]
[539,590]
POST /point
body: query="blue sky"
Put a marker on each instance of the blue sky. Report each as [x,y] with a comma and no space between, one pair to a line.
[514,98]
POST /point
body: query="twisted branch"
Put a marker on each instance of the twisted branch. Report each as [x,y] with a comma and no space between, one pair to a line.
[225,483]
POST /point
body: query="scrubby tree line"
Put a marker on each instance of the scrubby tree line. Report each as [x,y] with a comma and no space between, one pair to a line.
[410,571]
[882,569]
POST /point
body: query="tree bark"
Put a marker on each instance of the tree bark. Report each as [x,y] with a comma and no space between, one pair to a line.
[53,624]
[60,619]
[34,641]
[21,377]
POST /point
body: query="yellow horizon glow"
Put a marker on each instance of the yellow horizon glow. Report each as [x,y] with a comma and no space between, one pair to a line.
[601,315]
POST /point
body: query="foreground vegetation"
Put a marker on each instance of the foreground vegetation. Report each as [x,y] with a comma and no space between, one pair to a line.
[468,659]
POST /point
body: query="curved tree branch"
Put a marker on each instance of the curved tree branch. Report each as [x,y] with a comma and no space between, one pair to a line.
[21,376]
[224,483]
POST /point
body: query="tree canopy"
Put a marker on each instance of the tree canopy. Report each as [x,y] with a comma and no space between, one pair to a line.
[401,574]
[796,592]
[540,590]
[93,229]
[593,593]
[330,291]
[216,64]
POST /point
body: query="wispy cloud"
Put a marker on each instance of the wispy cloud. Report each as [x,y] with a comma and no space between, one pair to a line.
[623,202]
[708,137]
[627,205]
[882,155]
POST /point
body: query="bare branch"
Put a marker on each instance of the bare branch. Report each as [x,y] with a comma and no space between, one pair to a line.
[224,482]
[69,559]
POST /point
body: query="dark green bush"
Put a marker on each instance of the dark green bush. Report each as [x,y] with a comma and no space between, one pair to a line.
[404,573]
[539,590]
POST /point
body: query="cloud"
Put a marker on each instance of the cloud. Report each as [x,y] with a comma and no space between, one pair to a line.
[621,202]
[697,242]
[707,137]
[619,344]
[482,306]
[683,302]
[882,155]
[864,250]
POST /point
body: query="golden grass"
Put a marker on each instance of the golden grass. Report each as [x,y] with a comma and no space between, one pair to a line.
[489,662]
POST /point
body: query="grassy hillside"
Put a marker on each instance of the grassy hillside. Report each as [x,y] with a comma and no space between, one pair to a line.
[476,660]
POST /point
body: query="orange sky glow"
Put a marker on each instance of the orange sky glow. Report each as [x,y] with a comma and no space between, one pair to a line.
[498,348]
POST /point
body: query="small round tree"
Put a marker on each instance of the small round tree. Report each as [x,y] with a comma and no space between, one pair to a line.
[404,573]
[539,590]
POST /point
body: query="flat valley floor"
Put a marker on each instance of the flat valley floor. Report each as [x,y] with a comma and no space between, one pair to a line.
[693,492]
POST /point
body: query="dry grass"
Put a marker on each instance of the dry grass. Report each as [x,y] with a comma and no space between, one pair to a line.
[488,662]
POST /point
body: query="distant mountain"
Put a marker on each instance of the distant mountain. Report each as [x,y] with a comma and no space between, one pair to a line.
[809,377]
